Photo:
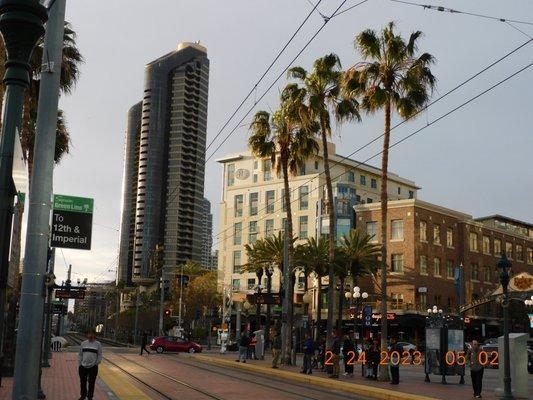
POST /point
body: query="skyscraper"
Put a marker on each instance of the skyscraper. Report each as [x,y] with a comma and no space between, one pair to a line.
[163,208]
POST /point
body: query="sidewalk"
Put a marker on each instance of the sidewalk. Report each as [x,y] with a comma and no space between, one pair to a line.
[411,385]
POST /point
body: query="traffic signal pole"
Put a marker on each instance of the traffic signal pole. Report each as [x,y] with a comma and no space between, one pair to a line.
[161,303]
[27,361]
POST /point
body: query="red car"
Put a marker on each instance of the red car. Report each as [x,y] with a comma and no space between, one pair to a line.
[174,344]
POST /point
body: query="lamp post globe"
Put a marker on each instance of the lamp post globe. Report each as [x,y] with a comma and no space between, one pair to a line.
[364,295]
[348,295]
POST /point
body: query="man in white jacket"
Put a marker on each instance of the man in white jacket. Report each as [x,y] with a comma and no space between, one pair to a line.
[89,357]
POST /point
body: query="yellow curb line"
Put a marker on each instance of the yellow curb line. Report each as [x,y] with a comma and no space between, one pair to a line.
[362,390]
[119,383]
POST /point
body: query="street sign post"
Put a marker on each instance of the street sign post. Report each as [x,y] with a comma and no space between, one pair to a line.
[72,219]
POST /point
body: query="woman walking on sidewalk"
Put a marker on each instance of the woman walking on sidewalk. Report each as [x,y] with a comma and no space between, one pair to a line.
[89,356]
[476,368]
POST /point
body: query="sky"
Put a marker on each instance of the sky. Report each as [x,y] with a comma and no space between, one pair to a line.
[477,160]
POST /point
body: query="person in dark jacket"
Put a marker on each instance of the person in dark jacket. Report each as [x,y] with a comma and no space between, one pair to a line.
[244,341]
[309,352]
[394,361]
[276,349]
[349,355]
[373,356]
[476,368]
[335,357]
[144,342]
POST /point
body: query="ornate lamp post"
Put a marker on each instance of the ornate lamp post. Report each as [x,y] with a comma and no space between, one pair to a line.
[504,265]
[358,298]
[529,302]
[437,320]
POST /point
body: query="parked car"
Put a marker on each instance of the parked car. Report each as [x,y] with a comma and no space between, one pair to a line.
[492,352]
[407,346]
[174,344]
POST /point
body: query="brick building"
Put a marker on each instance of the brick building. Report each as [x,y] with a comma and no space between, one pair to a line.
[428,243]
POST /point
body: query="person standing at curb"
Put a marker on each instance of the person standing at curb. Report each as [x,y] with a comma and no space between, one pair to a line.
[276,349]
[476,368]
[244,341]
[335,357]
[373,360]
[309,352]
[89,356]
[394,361]
[144,342]
[349,355]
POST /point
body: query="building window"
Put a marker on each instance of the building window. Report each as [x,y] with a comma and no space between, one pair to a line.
[237,232]
[372,229]
[397,301]
[351,176]
[239,201]
[423,265]
[475,272]
[358,199]
[473,241]
[269,227]
[301,170]
[251,284]
[362,180]
[449,237]
[304,197]
[237,262]
[316,165]
[369,200]
[373,183]
[529,255]
[397,263]
[436,234]
[411,194]
[231,174]
[497,247]
[399,190]
[267,170]
[486,244]
[436,266]
[255,178]
[236,285]
[254,202]
[423,298]
[283,204]
[252,234]
[509,250]
[270,196]
[303,227]
[397,229]
[449,269]
[487,274]
[519,253]
[423,231]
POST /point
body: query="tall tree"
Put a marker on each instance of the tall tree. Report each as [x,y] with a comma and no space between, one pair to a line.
[392,77]
[285,140]
[324,99]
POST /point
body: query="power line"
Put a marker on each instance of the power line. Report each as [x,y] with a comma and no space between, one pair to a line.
[402,122]
[263,76]
[453,11]
[280,75]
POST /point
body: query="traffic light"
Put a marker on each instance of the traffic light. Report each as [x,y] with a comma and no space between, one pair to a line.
[167,312]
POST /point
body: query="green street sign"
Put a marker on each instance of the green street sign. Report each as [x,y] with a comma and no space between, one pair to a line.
[71,203]
[72,219]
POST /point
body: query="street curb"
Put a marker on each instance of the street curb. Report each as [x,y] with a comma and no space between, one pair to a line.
[355,388]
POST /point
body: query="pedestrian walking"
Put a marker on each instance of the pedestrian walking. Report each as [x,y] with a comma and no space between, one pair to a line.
[373,357]
[251,347]
[476,368]
[335,356]
[309,353]
[348,355]
[144,342]
[244,341]
[276,349]
[395,355]
[89,356]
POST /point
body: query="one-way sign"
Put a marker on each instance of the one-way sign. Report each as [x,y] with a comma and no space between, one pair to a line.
[72,220]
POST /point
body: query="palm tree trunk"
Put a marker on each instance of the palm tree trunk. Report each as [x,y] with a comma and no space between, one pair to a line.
[341,297]
[290,289]
[318,330]
[383,372]
[259,274]
[331,238]
[268,307]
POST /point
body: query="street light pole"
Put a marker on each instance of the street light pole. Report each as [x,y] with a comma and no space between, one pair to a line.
[504,266]
[21,25]
[285,334]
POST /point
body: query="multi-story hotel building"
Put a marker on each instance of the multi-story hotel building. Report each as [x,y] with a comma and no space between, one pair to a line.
[427,244]
[252,205]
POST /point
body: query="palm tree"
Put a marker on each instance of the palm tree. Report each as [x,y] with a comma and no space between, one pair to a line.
[360,254]
[393,76]
[324,98]
[313,256]
[285,140]
[255,264]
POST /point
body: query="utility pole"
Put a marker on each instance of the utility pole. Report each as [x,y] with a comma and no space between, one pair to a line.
[285,334]
[21,25]
[161,303]
[27,362]
[181,299]
[117,314]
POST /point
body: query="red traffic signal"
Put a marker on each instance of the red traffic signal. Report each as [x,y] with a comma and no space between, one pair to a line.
[167,313]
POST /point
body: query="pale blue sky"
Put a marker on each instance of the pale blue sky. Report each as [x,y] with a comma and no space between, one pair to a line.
[477,161]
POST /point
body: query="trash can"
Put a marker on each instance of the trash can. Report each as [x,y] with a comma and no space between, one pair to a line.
[260,345]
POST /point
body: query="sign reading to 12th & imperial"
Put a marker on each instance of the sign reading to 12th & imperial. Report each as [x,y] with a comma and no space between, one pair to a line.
[72,220]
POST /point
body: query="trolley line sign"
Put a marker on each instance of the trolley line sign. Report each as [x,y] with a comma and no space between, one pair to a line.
[72,219]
